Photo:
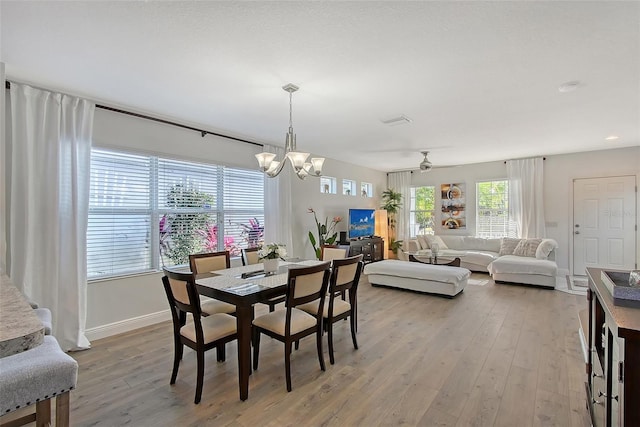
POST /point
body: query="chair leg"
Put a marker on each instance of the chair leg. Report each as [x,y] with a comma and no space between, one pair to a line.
[256,347]
[177,357]
[43,413]
[330,333]
[287,363]
[297,345]
[272,308]
[221,352]
[319,345]
[62,410]
[354,329]
[200,380]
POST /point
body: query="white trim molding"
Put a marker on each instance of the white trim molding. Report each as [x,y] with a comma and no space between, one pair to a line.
[127,325]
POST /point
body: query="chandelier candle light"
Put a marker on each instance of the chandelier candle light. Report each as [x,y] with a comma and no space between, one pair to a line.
[272,167]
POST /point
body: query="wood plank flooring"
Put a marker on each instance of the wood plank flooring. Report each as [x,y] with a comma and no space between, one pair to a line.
[496,355]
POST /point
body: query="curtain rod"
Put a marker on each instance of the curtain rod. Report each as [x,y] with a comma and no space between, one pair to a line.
[505,162]
[202,132]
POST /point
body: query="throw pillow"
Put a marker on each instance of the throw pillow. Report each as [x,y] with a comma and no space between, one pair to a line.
[422,241]
[508,245]
[545,248]
[431,239]
[527,247]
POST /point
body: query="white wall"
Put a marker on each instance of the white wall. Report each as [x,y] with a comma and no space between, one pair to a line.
[117,305]
[559,173]
[306,194]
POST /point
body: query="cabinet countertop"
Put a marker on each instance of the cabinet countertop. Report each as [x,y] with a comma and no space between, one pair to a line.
[627,318]
[20,328]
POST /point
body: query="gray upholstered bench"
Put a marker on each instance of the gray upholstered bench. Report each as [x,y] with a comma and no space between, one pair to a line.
[37,376]
[434,279]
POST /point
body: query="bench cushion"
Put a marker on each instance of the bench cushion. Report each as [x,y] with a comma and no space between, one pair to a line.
[513,264]
[436,279]
[37,374]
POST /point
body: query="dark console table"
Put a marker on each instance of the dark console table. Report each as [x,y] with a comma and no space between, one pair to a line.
[613,366]
[372,249]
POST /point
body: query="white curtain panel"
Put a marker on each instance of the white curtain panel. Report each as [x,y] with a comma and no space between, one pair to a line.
[4,178]
[277,204]
[526,201]
[401,182]
[48,203]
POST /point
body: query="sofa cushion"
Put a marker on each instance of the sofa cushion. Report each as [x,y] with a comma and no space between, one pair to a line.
[508,245]
[513,264]
[527,247]
[545,247]
[422,241]
[431,239]
[481,244]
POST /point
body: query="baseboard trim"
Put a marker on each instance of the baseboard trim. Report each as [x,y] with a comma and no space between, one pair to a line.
[127,325]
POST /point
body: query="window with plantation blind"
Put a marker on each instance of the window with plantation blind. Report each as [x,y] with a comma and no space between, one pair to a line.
[492,210]
[422,210]
[149,211]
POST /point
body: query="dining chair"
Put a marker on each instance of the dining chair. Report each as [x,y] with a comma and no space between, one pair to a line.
[331,252]
[200,333]
[206,263]
[345,276]
[250,257]
[304,285]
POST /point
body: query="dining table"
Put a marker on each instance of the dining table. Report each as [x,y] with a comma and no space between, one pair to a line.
[243,287]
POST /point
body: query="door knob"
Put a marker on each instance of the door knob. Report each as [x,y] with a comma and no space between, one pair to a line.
[576,232]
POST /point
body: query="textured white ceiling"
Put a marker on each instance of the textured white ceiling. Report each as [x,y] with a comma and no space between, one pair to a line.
[479,79]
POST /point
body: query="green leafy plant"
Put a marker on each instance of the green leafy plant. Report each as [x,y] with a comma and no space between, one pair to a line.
[392,202]
[184,227]
[327,234]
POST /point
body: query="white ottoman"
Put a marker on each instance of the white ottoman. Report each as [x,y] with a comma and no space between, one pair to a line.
[415,276]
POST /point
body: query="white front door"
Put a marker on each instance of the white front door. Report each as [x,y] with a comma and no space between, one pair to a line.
[604,223]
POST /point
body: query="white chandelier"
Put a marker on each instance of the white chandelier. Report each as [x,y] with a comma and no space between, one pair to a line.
[272,167]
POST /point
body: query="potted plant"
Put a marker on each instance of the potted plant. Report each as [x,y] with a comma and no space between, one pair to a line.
[327,233]
[270,255]
[392,202]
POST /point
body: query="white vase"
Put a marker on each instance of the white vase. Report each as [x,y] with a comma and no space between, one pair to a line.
[270,265]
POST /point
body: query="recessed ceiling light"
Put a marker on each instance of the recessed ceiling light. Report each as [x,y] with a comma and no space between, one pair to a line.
[612,137]
[570,86]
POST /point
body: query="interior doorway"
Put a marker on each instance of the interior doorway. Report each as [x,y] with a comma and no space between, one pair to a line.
[604,223]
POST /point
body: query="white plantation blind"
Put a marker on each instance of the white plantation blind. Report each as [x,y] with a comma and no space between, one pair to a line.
[148,211]
[492,210]
[118,233]
[422,210]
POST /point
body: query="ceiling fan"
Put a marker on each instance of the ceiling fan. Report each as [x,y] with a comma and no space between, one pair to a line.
[425,165]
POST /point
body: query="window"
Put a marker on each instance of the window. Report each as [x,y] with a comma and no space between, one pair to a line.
[348,187]
[366,189]
[492,212]
[148,211]
[422,209]
[328,185]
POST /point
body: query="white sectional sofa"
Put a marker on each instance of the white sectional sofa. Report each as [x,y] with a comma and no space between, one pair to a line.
[478,252]
[527,261]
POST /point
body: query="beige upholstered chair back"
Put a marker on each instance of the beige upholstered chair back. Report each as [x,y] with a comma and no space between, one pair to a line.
[250,256]
[205,263]
[329,254]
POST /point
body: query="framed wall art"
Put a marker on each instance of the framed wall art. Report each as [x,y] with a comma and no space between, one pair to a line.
[453,206]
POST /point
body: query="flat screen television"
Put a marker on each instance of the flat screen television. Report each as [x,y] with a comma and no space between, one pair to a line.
[362,223]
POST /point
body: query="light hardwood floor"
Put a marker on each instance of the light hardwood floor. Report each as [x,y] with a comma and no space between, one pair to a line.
[496,355]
